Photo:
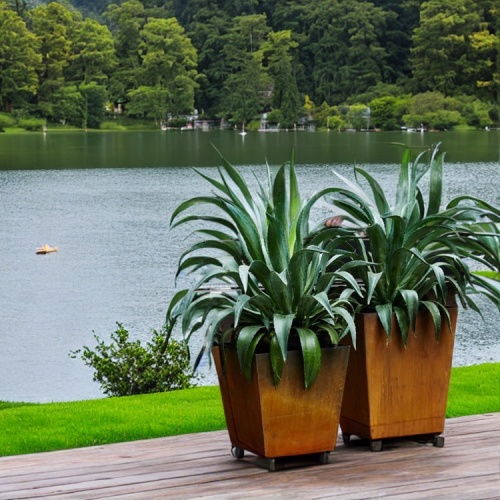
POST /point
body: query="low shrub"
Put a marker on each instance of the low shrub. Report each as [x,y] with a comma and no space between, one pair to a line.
[6,121]
[176,123]
[32,124]
[125,367]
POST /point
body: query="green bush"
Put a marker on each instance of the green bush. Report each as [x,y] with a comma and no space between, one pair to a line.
[336,122]
[253,125]
[176,122]
[6,121]
[387,111]
[125,367]
[274,117]
[444,119]
[111,125]
[32,124]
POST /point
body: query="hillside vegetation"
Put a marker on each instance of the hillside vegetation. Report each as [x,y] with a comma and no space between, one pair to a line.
[337,63]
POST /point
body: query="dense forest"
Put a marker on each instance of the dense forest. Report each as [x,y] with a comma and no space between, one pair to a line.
[337,63]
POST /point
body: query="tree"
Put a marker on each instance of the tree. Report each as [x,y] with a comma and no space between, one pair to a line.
[358,116]
[240,8]
[169,63]
[91,8]
[94,100]
[387,111]
[455,47]
[93,53]
[207,24]
[160,9]
[322,114]
[51,24]
[286,96]
[344,50]
[19,59]
[434,110]
[476,112]
[485,45]
[126,22]
[69,106]
[21,7]
[402,19]
[247,86]
[148,101]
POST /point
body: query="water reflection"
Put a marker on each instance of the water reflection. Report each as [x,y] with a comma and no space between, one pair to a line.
[58,150]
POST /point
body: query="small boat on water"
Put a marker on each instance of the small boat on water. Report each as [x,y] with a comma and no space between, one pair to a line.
[45,249]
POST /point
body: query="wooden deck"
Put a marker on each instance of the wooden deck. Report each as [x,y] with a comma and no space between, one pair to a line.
[201,466]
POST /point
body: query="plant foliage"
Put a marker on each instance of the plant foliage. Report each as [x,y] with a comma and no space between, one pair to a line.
[125,367]
[414,254]
[259,281]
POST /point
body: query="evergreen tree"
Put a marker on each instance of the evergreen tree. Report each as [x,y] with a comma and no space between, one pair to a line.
[207,24]
[344,52]
[248,86]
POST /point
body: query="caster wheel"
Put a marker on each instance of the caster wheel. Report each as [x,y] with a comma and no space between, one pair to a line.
[346,438]
[438,441]
[323,458]
[376,445]
[237,452]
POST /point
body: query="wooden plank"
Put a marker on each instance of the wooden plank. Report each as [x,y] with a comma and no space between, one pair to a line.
[200,466]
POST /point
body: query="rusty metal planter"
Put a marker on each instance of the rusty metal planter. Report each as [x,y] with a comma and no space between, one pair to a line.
[392,391]
[288,420]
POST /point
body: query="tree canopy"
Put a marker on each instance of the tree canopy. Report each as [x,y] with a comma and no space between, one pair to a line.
[239,59]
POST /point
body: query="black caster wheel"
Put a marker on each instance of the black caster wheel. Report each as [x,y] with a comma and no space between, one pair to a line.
[237,452]
[438,441]
[376,445]
[346,438]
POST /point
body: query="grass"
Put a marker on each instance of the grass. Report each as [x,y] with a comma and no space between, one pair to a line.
[117,125]
[31,428]
[474,390]
[489,274]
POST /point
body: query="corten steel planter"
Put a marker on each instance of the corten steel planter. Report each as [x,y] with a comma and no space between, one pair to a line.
[287,421]
[392,391]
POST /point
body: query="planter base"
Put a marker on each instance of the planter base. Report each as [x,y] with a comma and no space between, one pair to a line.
[377,444]
[282,463]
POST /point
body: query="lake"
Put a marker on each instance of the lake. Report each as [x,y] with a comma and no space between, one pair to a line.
[105,200]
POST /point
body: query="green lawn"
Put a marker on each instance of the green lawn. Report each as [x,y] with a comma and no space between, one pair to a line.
[30,428]
[474,390]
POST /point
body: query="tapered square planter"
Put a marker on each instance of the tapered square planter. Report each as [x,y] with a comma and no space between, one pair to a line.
[288,420]
[394,391]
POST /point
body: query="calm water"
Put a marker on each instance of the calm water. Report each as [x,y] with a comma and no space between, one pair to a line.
[185,149]
[105,198]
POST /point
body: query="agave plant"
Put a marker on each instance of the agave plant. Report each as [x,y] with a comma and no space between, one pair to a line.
[412,255]
[260,283]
